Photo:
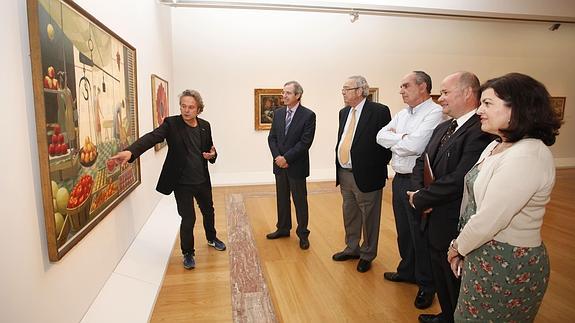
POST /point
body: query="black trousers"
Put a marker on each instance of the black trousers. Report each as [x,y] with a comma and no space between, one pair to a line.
[412,243]
[185,195]
[446,284]
[298,189]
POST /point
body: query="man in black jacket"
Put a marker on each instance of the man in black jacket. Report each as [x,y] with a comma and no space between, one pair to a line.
[454,147]
[361,171]
[185,170]
[290,138]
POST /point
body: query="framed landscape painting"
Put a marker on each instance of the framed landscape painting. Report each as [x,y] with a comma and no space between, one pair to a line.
[84,80]
[160,104]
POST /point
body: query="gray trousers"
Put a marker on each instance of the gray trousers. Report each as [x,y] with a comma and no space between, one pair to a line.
[361,215]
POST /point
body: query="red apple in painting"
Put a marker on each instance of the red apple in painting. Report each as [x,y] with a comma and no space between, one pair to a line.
[60,138]
[55,139]
[51,72]
[57,129]
[51,149]
[47,82]
[64,148]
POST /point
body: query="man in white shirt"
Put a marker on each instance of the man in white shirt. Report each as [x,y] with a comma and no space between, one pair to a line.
[406,136]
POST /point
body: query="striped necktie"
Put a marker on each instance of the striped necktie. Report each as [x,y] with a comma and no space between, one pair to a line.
[288,120]
[449,132]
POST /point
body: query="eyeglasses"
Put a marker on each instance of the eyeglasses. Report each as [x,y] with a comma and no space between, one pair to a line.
[348,89]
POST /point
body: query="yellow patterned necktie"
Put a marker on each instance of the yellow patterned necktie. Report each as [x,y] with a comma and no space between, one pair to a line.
[345,148]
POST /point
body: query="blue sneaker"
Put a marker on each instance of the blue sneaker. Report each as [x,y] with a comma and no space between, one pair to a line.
[217,244]
[189,262]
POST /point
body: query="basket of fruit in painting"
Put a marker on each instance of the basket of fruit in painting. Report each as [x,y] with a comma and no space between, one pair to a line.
[62,228]
[88,153]
[78,205]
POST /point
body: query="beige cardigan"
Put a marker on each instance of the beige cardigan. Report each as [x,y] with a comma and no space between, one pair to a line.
[511,191]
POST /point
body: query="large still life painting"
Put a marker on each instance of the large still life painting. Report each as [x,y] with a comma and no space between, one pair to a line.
[84,79]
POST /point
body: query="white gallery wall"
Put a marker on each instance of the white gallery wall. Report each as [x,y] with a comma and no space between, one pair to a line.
[32,289]
[226,53]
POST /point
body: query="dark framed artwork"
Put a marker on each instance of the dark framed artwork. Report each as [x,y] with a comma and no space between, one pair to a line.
[373,94]
[160,104]
[266,101]
[435,97]
[558,104]
[84,80]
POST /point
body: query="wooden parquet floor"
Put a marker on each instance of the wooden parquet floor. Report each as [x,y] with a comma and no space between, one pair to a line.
[307,286]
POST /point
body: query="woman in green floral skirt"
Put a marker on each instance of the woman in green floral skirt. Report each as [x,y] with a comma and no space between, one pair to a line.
[503,264]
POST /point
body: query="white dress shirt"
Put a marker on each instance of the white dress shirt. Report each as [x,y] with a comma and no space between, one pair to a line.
[358,109]
[412,129]
[293,110]
[463,119]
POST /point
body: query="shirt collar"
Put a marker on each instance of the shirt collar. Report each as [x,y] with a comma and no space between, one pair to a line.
[359,106]
[294,108]
[418,107]
[463,119]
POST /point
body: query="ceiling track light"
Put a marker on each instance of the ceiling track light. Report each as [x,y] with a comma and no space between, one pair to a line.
[554,27]
[368,9]
[353,16]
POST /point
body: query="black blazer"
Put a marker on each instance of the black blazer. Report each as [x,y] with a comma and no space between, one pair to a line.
[449,163]
[294,145]
[173,129]
[369,160]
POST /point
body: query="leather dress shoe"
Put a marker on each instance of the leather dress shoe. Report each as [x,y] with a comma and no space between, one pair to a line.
[395,277]
[304,244]
[430,318]
[340,256]
[363,265]
[277,234]
[424,299]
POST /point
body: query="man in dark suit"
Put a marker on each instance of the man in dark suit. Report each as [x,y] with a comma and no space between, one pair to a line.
[454,147]
[290,138]
[361,171]
[185,170]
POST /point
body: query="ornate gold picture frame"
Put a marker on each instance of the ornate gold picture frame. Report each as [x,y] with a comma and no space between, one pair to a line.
[558,104]
[266,101]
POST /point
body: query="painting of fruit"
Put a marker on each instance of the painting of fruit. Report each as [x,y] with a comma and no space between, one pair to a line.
[50,80]
[86,109]
[57,146]
[81,192]
[88,153]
